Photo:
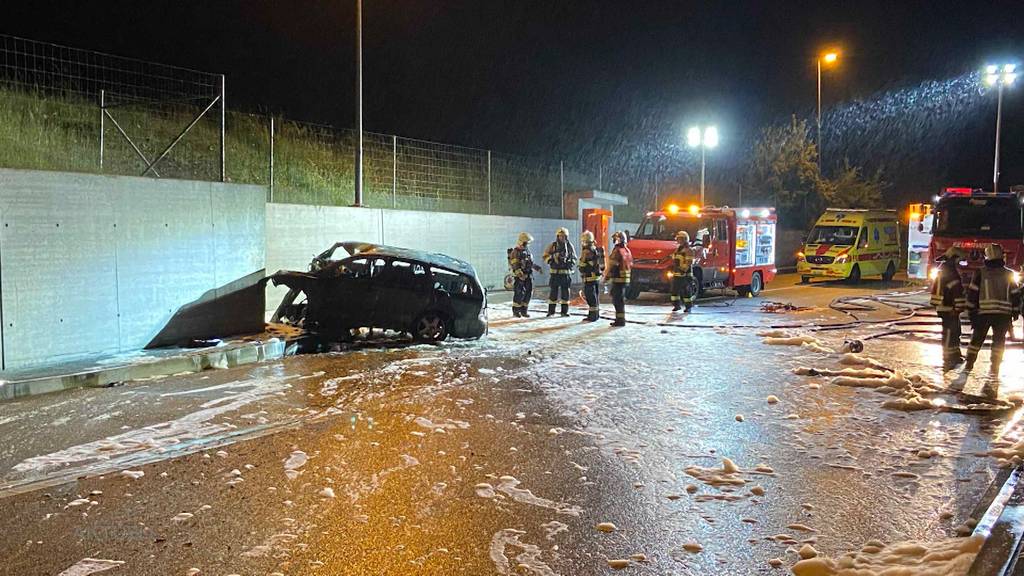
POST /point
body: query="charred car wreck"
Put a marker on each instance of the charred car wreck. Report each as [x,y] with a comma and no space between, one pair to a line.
[427,295]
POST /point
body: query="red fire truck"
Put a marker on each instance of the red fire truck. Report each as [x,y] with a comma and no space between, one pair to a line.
[973,219]
[739,248]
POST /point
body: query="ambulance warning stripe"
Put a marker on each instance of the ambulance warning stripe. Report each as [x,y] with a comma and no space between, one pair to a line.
[877,256]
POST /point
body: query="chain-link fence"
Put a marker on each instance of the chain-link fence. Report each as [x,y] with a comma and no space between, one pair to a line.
[76,110]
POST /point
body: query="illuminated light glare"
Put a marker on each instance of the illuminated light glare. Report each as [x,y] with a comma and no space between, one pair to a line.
[830,57]
[694,209]
[933,273]
[1009,78]
[673,208]
[914,216]
[710,137]
[1016,277]
[991,79]
[693,137]
[745,213]
[1009,68]
[992,69]
[766,213]
[800,256]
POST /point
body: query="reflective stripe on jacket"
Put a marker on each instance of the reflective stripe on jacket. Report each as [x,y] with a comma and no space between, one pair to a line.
[520,261]
[591,262]
[947,294]
[560,257]
[620,262]
[993,291]
[683,258]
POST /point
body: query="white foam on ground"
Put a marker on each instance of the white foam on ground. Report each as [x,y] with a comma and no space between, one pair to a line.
[510,485]
[88,566]
[952,557]
[528,561]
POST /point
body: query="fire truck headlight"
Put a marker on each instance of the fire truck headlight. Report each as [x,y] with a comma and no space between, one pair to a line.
[933,273]
[669,274]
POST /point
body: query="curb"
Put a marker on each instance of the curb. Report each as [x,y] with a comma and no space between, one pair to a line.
[101,377]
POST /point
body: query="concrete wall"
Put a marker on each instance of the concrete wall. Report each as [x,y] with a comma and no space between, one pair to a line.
[91,265]
[296,233]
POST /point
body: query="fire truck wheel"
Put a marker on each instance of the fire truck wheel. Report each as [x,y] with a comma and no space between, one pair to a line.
[753,289]
[854,277]
[890,272]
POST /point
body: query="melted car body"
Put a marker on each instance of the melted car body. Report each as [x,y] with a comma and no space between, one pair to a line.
[428,295]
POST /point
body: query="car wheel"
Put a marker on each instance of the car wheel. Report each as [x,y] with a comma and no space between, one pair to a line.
[854,276]
[430,327]
[805,279]
[890,272]
[632,292]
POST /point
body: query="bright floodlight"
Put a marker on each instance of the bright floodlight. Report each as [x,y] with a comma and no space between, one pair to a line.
[1009,68]
[710,137]
[830,57]
[693,137]
[991,69]
[1004,74]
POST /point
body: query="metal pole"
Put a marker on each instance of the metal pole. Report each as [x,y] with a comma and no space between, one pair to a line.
[359,103]
[561,186]
[271,158]
[103,120]
[703,150]
[819,115]
[223,106]
[600,177]
[394,171]
[488,181]
[999,120]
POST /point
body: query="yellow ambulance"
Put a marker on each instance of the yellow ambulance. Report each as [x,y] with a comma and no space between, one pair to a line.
[850,244]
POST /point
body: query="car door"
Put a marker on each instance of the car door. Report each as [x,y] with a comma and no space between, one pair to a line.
[716,260]
[403,290]
[350,298]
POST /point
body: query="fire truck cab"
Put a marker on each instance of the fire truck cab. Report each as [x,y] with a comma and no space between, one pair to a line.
[738,246]
[973,219]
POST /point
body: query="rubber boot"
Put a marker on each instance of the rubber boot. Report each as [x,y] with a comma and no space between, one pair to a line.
[551,310]
[565,310]
[676,306]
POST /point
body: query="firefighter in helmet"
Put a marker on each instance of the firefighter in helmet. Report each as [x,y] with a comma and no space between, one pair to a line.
[993,302]
[520,262]
[620,262]
[949,301]
[591,267]
[683,280]
[560,257]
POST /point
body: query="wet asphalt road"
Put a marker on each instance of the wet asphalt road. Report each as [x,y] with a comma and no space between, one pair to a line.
[501,456]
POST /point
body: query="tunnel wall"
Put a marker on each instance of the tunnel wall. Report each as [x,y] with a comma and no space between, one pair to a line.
[296,233]
[93,265]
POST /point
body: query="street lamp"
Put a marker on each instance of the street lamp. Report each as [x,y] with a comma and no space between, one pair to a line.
[999,76]
[703,138]
[828,58]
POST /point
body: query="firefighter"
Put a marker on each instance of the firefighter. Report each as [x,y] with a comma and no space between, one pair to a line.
[520,261]
[591,266]
[683,281]
[620,262]
[560,257]
[993,301]
[949,301]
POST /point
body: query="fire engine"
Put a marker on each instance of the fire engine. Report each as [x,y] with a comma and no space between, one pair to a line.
[738,248]
[973,219]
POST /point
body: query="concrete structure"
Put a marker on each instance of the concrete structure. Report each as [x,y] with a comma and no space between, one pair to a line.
[93,265]
[296,233]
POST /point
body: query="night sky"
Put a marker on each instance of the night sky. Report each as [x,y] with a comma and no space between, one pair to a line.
[579,79]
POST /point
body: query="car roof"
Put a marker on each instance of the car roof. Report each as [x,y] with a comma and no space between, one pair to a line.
[355,248]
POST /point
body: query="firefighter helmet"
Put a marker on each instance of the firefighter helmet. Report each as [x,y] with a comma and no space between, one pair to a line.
[993,252]
[562,232]
[587,237]
[525,238]
[683,236]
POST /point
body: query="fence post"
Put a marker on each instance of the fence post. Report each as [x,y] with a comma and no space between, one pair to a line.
[394,171]
[561,188]
[103,113]
[488,182]
[271,158]
[223,172]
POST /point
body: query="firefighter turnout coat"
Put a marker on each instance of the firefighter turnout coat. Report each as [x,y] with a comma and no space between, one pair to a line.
[948,290]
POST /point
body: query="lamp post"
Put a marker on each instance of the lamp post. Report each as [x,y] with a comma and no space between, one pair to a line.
[358,200]
[828,58]
[703,138]
[999,76]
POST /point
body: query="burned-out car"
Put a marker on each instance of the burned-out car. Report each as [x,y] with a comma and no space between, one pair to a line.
[430,296]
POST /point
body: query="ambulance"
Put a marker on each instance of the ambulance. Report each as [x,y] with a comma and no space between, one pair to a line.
[848,244]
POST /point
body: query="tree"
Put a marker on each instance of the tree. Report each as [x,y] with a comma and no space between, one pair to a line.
[784,168]
[850,189]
